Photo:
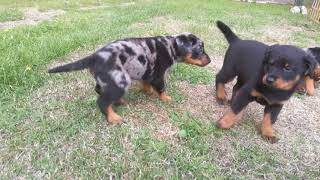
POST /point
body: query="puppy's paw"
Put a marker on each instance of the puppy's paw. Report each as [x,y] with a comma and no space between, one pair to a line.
[165,98]
[149,92]
[267,133]
[222,101]
[310,92]
[114,119]
[272,139]
[222,125]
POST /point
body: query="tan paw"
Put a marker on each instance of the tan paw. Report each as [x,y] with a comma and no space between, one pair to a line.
[114,119]
[229,119]
[165,98]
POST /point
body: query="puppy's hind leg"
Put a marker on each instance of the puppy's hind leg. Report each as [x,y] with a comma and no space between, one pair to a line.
[112,88]
[235,90]
[105,102]
[118,102]
[147,88]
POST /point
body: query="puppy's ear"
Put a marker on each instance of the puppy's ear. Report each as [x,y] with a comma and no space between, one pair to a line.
[311,64]
[315,52]
[267,54]
[184,45]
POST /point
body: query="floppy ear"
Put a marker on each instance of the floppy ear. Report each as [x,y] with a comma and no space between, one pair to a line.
[311,64]
[315,52]
[184,45]
[267,54]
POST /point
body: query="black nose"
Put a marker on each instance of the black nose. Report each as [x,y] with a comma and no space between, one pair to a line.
[270,79]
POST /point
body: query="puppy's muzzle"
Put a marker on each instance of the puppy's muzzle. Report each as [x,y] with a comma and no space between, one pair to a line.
[269,79]
[202,61]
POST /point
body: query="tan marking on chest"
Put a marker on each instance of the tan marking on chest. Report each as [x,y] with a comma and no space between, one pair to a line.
[257,94]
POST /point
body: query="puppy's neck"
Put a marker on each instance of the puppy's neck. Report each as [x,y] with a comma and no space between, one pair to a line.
[172,49]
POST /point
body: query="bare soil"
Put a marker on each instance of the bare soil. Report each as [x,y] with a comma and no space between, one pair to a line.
[32,16]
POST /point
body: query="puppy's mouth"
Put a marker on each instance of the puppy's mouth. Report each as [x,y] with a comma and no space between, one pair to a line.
[202,61]
[280,83]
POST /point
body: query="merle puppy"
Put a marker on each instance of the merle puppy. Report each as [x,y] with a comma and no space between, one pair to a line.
[308,84]
[119,62]
[266,74]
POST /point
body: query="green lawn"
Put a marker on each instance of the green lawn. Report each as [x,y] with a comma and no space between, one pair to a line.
[50,126]
[10,14]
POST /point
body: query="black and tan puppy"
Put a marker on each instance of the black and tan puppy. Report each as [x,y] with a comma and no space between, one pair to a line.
[266,74]
[118,63]
[307,85]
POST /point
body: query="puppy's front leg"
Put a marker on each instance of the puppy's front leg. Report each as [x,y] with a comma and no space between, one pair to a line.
[271,113]
[159,86]
[241,100]
[309,85]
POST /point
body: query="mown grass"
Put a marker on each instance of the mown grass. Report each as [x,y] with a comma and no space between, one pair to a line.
[51,127]
[58,4]
[10,14]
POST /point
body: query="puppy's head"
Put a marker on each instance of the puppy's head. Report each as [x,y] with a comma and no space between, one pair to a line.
[191,49]
[315,52]
[285,66]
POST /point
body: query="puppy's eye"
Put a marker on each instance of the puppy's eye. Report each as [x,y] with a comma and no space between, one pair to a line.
[271,63]
[287,68]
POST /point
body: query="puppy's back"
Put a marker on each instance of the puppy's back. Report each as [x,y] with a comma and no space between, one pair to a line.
[246,57]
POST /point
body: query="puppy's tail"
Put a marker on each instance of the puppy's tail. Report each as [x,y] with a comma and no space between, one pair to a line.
[230,36]
[75,66]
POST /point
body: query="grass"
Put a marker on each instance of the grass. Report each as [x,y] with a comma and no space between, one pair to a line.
[10,14]
[51,128]
[58,4]
[193,75]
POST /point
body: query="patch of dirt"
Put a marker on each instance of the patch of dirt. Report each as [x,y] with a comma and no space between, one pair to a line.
[162,23]
[152,116]
[269,1]
[32,16]
[201,101]
[107,6]
[278,34]
[298,128]
[66,89]
[140,114]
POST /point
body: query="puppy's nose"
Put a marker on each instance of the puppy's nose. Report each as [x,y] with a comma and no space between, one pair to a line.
[208,61]
[270,79]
